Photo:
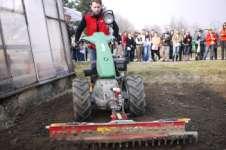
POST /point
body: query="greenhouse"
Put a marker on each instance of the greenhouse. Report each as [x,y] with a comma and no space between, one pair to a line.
[34,47]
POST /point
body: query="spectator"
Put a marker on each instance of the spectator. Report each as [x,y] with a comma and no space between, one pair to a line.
[82,48]
[165,46]
[156,40]
[211,41]
[216,46]
[187,45]
[124,42]
[139,44]
[69,27]
[200,45]
[223,41]
[130,47]
[147,47]
[151,35]
[118,50]
[171,44]
[176,39]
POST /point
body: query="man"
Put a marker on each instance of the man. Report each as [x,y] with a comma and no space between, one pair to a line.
[93,21]
[124,39]
[130,47]
[165,50]
[223,41]
[69,26]
[200,41]
[187,45]
[139,44]
[171,44]
[211,41]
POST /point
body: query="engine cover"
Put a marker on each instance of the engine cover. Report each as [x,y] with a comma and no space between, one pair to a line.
[103,93]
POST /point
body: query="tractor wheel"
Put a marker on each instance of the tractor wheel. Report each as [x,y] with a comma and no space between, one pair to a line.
[81,100]
[135,89]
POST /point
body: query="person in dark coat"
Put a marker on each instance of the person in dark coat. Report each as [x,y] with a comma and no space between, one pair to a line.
[187,42]
[130,47]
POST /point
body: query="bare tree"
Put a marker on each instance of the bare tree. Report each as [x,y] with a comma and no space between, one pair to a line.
[178,24]
[124,24]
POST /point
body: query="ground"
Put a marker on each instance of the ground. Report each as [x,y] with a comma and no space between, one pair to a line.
[186,89]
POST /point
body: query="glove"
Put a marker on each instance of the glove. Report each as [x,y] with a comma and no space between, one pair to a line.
[76,46]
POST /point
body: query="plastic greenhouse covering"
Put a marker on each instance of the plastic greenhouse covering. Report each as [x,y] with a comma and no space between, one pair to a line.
[34,43]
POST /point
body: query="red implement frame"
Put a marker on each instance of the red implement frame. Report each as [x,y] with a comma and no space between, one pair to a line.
[122,131]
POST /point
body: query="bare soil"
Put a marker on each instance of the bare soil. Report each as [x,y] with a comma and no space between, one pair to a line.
[205,104]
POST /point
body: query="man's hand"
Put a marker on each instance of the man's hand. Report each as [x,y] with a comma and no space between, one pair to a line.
[76,45]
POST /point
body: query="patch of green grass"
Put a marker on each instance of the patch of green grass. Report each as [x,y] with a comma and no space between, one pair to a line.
[190,71]
[79,67]
[203,71]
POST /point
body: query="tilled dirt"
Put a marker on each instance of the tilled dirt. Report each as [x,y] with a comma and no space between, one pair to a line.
[205,106]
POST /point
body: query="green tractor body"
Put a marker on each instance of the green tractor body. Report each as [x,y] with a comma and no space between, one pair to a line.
[104,63]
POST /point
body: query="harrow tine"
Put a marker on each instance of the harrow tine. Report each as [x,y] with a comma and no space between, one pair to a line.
[159,142]
[133,144]
[127,145]
[184,139]
[153,142]
[171,141]
[178,141]
[93,146]
[190,140]
[104,145]
[113,146]
[120,145]
[99,146]
[165,141]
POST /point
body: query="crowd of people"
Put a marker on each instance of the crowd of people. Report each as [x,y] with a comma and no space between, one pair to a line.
[173,45]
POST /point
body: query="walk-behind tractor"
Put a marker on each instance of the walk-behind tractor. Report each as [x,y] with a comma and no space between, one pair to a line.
[113,90]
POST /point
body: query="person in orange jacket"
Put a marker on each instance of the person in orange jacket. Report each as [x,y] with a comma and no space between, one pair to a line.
[223,41]
[211,43]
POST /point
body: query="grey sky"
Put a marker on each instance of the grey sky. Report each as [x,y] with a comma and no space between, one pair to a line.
[160,12]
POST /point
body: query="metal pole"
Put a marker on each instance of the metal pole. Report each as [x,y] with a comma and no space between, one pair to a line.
[62,38]
[5,54]
[33,59]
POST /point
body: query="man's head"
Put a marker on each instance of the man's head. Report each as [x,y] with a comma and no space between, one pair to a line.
[67,18]
[155,34]
[224,25]
[96,6]
[129,35]
[210,30]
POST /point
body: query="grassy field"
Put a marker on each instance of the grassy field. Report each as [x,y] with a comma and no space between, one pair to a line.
[209,72]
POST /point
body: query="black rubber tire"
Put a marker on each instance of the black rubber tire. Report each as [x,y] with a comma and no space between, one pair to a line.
[135,89]
[81,100]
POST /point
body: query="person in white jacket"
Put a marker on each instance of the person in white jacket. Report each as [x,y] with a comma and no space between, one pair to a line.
[139,47]
[147,47]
